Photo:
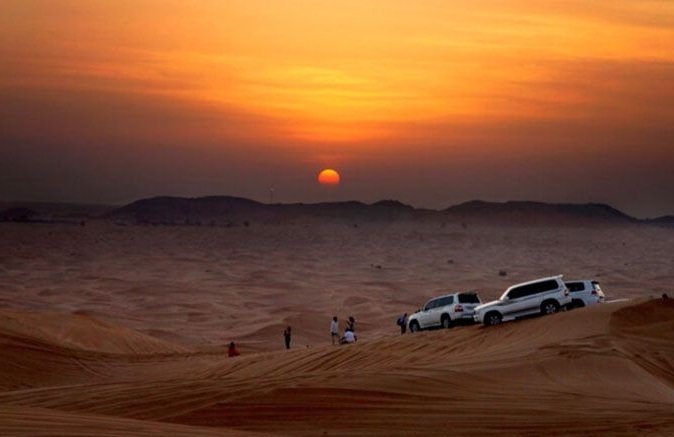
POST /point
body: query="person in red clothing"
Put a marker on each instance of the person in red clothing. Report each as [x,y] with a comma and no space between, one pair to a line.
[232,351]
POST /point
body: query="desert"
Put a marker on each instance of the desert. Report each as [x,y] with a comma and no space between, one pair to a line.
[320,218]
[114,327]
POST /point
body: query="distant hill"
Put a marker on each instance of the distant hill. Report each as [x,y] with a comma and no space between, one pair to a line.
[666,220]
[237,211]
[46,212]
[525,212]
[198,211]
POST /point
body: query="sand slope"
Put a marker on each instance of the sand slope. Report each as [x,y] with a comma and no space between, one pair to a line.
[605,369]
[199,286]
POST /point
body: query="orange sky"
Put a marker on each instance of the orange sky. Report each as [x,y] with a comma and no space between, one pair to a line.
[385,89]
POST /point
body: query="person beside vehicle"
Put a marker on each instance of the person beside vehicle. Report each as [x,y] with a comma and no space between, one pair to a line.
[402,322]
[334,330]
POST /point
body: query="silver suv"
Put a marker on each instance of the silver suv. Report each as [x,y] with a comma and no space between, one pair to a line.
[544,296]
[445,311]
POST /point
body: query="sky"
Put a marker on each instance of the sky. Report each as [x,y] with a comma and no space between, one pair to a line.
[431,102]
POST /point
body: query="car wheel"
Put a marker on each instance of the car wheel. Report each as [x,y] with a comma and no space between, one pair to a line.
[549,307]
[414,326]
[492,318]
[446,322]
[576,303]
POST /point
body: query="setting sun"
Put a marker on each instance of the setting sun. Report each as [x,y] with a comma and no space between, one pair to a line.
[329,177]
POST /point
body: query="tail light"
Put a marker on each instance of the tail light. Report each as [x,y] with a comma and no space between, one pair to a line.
[566,292]
[458,308]
[594,292]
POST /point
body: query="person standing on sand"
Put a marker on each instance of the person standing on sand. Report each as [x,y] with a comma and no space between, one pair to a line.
[286,337]
[351,324]
[334,330]
[232,351]
[402,322]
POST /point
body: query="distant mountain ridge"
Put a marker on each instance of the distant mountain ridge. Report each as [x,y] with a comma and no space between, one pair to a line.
[239,211]
[528,211]
[229,210]
[236,211]
[665,220]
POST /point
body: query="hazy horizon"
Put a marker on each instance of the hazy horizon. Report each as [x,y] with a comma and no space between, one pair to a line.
[274,201]
[432,103]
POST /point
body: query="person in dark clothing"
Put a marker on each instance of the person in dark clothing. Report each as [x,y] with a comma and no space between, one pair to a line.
[351,324]
[402,322]
[286,336]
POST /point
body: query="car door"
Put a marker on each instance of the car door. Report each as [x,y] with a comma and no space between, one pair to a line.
[426,313]
[435,315]
[548,290]
[575,287]
[521,300]
[578,291]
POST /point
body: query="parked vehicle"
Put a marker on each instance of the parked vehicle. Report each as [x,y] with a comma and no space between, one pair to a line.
[445,311]
[544,296]
[584,293]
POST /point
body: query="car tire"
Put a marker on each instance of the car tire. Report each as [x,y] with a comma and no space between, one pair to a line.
[414,326]
[446,321]
[549,307]
[493,318]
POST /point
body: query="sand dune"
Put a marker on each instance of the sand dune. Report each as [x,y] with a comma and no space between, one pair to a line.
[602,369]
[200,286]
[82,332]
[119,330]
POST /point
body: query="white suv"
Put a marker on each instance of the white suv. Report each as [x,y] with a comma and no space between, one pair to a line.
[584,293]
[545,296]
[445,311]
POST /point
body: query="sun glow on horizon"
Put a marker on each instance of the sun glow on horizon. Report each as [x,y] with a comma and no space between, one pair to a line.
[329,177]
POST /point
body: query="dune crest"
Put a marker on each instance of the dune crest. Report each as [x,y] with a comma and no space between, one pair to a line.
[81,332]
